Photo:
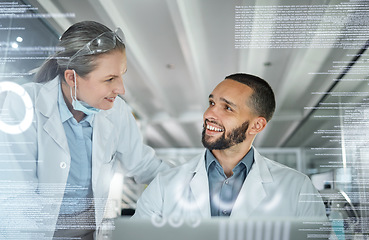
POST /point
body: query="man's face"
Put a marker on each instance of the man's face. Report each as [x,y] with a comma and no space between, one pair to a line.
[228,116]
[233,137]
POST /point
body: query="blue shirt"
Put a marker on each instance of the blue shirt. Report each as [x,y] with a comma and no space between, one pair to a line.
[224,190]
[78,192]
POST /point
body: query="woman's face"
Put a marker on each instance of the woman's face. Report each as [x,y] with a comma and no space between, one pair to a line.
[100,87]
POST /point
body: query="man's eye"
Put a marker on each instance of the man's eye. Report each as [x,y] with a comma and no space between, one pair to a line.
[211,103]
[228,108]
[109,80]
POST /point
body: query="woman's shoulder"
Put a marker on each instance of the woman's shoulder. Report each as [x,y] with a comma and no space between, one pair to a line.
[34,88]
[16,91]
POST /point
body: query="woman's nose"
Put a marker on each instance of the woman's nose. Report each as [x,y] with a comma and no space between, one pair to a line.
[119,88]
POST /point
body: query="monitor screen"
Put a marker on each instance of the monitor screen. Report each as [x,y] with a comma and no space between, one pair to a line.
[221,229]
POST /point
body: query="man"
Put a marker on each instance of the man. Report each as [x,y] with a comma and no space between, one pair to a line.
[231,178]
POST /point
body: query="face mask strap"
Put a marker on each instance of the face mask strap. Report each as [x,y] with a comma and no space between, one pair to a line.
[75,84]
[78,105]
[75,89]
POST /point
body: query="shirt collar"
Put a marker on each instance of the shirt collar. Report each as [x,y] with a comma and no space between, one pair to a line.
[247,160]
[64,112]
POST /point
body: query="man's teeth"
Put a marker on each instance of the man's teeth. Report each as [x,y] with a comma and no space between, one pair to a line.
[213,128]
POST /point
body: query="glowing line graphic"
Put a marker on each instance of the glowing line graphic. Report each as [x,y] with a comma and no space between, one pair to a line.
[27,120]
[158,221]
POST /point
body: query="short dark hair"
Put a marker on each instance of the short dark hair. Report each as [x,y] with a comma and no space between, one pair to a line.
[262,100]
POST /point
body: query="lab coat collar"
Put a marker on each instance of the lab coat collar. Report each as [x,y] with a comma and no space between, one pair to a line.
[46,103]
[200,187]
[48,97]
[261,168]
[254,186]
[258,175]
[64,112]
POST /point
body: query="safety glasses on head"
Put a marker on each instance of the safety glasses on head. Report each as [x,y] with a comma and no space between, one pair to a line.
[102,43]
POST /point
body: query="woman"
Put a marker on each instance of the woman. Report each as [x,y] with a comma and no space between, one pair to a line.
[81,133]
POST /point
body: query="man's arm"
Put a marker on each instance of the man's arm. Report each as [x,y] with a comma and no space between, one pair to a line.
[310,202]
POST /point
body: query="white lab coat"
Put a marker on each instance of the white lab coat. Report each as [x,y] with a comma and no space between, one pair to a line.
[40,158]
[270,190]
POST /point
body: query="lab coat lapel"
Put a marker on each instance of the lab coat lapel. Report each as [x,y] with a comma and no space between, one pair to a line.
[252,192]
[101,144]
[55,129]
[200,188]
[103,128]
[48,106]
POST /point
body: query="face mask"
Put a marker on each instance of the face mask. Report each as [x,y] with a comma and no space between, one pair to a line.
[80,105]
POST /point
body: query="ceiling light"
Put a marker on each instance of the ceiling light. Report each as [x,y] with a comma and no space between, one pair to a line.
[14,45]
[19,39]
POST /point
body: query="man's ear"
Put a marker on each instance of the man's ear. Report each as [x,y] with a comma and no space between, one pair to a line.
[257,125]
[69,77]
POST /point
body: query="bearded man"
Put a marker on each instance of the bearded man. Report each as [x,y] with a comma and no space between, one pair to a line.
[231,179]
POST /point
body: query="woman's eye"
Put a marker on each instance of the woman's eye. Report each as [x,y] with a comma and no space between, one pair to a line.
[110,79]
[228,108]
[211,103]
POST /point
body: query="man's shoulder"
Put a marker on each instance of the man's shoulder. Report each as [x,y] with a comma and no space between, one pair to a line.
[281,167]
[278,169]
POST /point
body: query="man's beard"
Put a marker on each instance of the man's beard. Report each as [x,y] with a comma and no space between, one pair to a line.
[236,136]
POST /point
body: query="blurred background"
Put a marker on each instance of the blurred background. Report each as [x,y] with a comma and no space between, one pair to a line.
[313,54]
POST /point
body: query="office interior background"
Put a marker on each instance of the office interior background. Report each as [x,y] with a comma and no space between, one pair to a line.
[312,52]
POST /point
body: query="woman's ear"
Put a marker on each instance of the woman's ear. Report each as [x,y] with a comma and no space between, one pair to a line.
[258,124]
[69,77]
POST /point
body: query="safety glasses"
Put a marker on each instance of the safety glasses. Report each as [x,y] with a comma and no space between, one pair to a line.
[102,43]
